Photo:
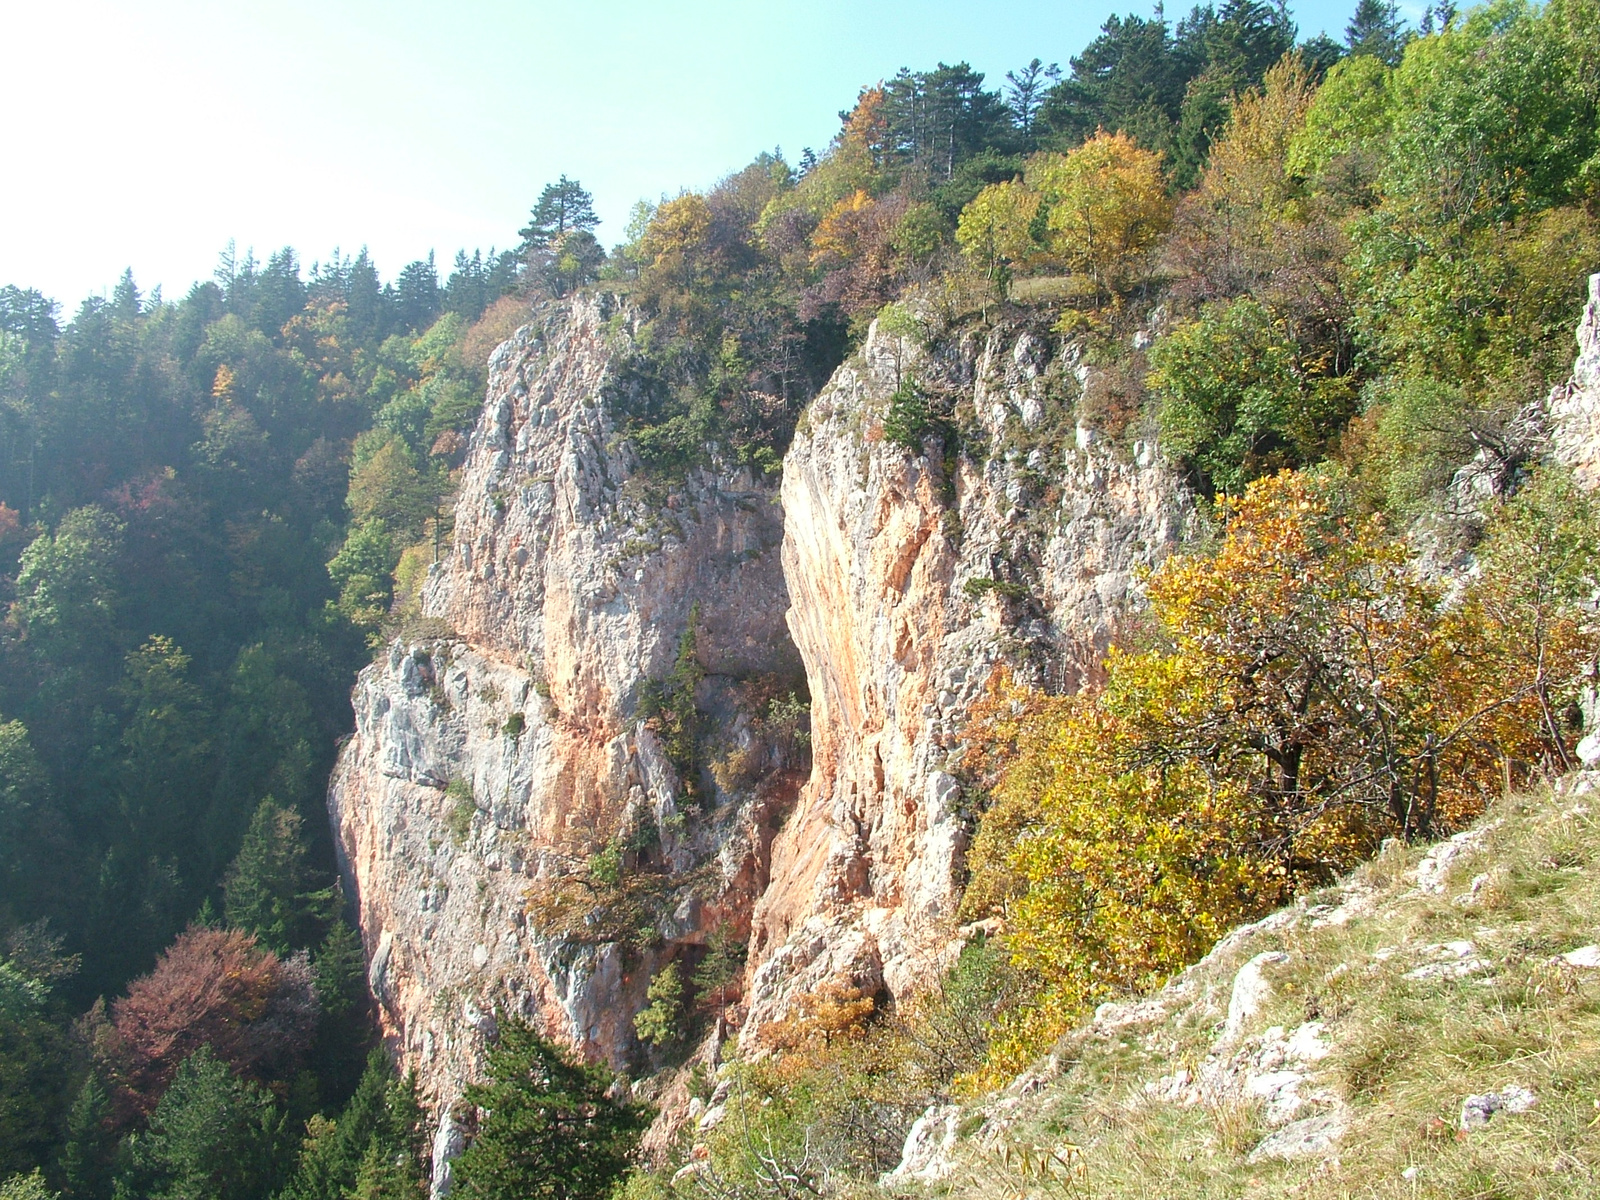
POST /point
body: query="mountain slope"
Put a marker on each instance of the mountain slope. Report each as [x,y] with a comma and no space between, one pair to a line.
[1430,1027]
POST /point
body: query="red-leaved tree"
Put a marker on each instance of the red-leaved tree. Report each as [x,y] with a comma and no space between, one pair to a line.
[212,987]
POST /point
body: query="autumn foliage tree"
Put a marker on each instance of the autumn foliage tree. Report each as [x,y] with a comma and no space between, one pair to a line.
[214,988]
[1304,696]
[1095,212]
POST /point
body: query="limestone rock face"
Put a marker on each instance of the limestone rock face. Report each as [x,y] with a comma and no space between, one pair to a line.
[500,749]
[1575,406]
[500,753]
[911,579]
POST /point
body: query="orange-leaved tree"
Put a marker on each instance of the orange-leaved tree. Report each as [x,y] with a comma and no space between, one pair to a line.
[1304,694]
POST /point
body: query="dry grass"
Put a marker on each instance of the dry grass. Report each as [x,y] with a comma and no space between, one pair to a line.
[1407,1051]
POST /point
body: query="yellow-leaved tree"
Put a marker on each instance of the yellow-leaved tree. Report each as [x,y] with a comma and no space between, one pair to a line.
[1304,695]
[1096,212]
[1106,205]
[995,227]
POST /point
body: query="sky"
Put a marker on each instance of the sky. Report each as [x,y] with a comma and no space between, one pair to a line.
[150,133]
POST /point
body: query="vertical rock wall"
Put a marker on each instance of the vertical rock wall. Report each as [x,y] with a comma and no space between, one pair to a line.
[497,748]
[911,579]
[1575,406]
[499,745]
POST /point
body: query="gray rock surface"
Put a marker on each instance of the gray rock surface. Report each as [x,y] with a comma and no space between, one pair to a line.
[912,579]
[1575,406]
[569,581]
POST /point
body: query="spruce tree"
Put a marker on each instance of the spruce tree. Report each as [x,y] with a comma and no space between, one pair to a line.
[212,1137]
[90,1150]
[548,1128]
[269,890]
[344,1032]
[378,1144]
[722,965]
[1377,29]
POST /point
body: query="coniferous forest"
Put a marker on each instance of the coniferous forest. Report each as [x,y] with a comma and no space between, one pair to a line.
[1361,260]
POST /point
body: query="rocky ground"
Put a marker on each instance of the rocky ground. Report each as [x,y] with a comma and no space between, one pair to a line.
[1430,1027]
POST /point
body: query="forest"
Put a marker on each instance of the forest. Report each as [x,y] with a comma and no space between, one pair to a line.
[1362,261]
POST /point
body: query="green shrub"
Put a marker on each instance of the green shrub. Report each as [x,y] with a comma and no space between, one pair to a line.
[975,589]
[463,808]
[907,421]
[661,1021]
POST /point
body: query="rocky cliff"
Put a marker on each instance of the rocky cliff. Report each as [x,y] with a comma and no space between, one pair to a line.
[1007,533]
[497,753]
[1575,406]
[519,835]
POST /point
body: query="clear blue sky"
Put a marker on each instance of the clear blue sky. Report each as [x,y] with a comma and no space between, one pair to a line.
[147,133]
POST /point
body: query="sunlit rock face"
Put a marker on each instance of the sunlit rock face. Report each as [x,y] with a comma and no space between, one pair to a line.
[499,746]
[1575,406]
[911,579]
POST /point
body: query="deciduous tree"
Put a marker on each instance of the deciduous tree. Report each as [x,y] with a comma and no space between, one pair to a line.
[213,988]
[1105,205]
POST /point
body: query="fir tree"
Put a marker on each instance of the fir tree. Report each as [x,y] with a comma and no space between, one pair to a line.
[1377,29]
[212,1137]
[90,1150]
[548,1128]
[1025,92]
[269,890]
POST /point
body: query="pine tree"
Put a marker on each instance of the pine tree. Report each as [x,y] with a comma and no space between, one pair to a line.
[562,208]
[269,891]
[26,1187]
[548,1128]
[661,1022]
[1377,29]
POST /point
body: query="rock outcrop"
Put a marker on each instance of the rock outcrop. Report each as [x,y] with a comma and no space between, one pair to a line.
[497,750]
[911,579]
[1575,406]
[1277,1052]
[518,838]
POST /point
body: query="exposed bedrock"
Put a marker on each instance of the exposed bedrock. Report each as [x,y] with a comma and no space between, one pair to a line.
[499,747]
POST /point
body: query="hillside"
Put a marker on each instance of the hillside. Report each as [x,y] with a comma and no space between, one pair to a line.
[1428,1027]
[1027,583]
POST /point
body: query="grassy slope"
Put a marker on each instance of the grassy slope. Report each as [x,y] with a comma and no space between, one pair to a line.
[1405,1052]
